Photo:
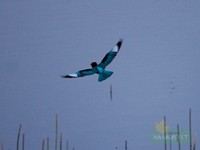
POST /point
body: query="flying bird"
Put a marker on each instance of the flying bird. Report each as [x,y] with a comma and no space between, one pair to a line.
[99,68]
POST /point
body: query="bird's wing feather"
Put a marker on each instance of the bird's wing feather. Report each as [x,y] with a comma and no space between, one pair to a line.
[110,55]
[80,73]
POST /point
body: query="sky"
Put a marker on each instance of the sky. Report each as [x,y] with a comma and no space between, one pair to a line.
[156,72]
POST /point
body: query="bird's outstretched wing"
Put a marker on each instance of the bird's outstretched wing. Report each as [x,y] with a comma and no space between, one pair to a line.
[80,73]
[111,55]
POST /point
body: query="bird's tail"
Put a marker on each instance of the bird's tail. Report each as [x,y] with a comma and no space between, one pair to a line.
[103,76]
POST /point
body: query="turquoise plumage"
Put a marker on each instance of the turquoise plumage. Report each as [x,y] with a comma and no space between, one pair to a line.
[99,68]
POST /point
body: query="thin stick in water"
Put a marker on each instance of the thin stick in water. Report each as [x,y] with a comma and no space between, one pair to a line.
[190,127]
[43,144]
[126,146]
[2,147]
[170,140]
[23,142]
[56,138]
[18,136]
[178,137]
[194,146]
[165,134]
[111,92]
[60,141]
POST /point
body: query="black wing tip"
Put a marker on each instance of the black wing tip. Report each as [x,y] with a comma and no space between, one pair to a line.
[66,76]
[119,44]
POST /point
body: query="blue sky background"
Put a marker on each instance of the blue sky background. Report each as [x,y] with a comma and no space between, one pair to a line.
[156,72]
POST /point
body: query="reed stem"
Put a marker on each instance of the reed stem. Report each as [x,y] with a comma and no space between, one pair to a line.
[43,144]
[2,146]
[170,140]
[23,142]
[60,141]
[178,134]
[194,146]
[190,127]
[18,136]
[165,134]
[56,138]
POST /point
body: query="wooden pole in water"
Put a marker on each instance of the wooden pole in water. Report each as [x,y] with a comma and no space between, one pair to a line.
[170,141]
[43,144]
[194,146]
[60,141]
[126,146]
[190,127]
[18,136]
[165,138]
[23,142]
[56,136]
[2,147]
[111,92]
[178,137]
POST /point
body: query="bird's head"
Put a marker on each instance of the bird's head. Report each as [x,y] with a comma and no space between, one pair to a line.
[93,64]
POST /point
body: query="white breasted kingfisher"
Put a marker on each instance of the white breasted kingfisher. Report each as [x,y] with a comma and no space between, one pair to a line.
[99,68]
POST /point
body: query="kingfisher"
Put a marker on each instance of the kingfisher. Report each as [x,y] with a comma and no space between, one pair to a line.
[99,68]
